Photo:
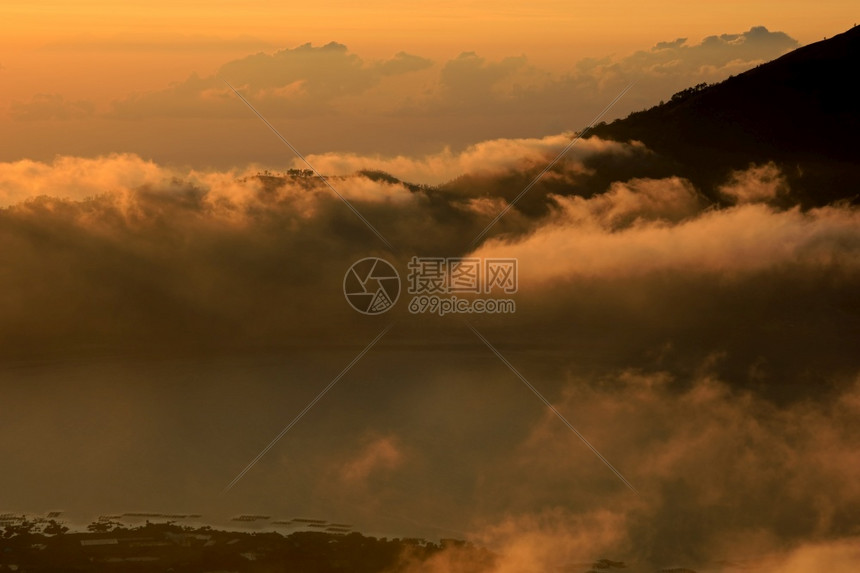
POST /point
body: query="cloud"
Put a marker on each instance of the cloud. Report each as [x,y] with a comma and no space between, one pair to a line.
[338,101]
[762,183]
[290,82]
[380,455]
[402,63]
[838,556]
[121,174]
[719,463]
[76,178]
[714,55]
[636,201]
[325,72]
[724,478]
[655,237]
[645,226]
[180,318]
[50,107]
[554,539]
[482,159]
[470,82]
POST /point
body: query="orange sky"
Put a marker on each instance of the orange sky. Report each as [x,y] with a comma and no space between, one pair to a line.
[542,27]
[45,46]
[100,51]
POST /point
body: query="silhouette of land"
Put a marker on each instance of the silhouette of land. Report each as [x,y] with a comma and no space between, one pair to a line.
[48,546]
[799,111]
[45,545]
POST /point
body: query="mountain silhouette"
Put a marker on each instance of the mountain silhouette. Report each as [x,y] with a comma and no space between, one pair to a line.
[799,111]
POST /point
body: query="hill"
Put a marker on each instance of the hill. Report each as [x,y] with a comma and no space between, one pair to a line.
[799,111]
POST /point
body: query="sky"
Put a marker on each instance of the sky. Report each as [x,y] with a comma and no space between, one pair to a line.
[91,79]
[165,312]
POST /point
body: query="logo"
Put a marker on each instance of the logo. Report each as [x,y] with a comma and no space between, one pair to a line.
[452,275]
[371,285]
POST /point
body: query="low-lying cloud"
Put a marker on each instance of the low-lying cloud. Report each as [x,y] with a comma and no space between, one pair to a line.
[157,317]
[728,483]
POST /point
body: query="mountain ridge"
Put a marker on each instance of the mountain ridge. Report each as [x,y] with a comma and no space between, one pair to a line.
[798,111]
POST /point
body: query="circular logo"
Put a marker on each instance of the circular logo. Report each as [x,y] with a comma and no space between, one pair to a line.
[371,285]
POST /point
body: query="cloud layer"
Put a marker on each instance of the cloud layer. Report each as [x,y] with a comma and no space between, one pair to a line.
[161,325]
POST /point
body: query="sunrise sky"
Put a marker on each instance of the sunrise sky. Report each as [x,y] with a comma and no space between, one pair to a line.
[164,312]
[85,78]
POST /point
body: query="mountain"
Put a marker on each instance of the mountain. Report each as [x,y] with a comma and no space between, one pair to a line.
[799,111]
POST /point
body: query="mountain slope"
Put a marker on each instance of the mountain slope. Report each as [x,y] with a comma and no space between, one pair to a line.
[799,111]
